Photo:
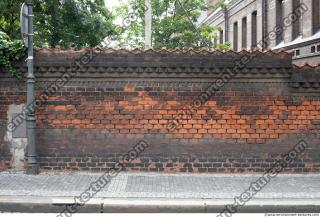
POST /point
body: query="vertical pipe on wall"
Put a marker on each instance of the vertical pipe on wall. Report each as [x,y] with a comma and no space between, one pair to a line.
[226,24]
[264,24]
[31,119]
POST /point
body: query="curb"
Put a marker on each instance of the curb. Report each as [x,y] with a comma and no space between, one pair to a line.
[34,204]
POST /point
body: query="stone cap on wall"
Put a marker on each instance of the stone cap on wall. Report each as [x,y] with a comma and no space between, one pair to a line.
[165,61]
[306,77]
[254,65]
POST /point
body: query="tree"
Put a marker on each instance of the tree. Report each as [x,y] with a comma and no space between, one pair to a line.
[76,23]
[173,24]
[9,18]
[79,23]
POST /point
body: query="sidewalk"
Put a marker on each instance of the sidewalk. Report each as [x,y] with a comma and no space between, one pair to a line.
[154,192]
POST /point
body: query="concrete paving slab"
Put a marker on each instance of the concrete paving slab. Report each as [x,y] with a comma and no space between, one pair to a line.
[148,192]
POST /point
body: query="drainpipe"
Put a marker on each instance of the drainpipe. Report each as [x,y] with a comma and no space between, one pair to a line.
[226,24]
[31,118]
[264,23]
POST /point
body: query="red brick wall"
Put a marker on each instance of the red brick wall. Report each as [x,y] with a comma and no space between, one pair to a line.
[245,126]
[250,118]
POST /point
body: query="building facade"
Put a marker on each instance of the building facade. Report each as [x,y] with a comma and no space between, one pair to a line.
[293,25]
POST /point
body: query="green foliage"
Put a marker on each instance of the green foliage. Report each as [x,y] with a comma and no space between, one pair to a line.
[173,24]
[10,51]
[220,4]
[224,46]
[76,23]
[9,17]
[84,23]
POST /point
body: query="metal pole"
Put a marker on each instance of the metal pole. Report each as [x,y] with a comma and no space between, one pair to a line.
[148,23]
[31,119]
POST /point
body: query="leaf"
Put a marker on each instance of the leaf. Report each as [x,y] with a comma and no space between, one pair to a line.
[11,50]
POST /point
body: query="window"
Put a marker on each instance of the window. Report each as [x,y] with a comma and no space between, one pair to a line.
[315,16]
[244,32]
[313,49]
[279,18]
[318,48]
[297,52]
[254,29]
[221,37]
[235,36]
[296,24]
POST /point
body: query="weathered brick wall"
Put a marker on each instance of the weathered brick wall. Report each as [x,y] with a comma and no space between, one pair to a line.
[121,97]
